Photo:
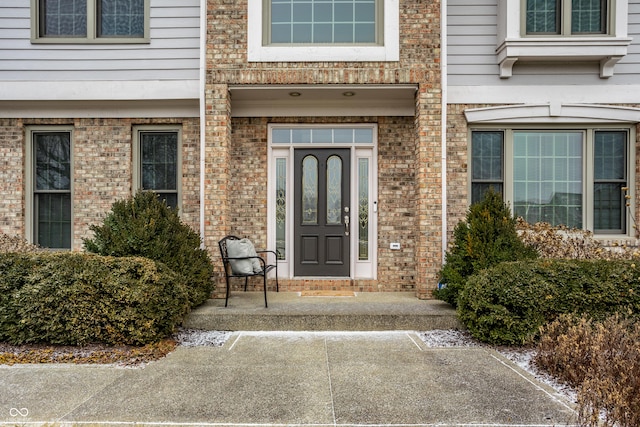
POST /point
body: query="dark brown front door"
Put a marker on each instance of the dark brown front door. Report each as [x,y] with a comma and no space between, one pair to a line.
[322,212]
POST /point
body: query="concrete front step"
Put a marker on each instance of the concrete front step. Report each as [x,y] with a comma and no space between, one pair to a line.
[294,311]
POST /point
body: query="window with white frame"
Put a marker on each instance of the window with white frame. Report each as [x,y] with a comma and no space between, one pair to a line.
[50,186]
[573,177]
[96,21]
[157,160]
[323,30]
[323,22]
[567,17]
[562,30]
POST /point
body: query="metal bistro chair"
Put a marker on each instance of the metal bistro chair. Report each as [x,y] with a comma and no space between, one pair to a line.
[265,268]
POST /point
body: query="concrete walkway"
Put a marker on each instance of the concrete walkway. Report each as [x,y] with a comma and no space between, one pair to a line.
[289,379]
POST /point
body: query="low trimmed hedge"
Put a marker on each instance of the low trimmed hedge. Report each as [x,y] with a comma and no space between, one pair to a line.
[74,298]
[508,303]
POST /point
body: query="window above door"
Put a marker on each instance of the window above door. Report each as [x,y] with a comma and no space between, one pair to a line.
[90,21]
[562,30]
[323,30]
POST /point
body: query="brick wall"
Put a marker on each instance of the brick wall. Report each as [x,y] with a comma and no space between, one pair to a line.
[396,195]
[409,150]
[102,168]
[12,177]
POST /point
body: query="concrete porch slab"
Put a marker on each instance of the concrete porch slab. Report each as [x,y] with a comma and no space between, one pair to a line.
[290,311]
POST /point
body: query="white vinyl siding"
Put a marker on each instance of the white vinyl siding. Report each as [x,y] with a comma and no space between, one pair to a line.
[173,53]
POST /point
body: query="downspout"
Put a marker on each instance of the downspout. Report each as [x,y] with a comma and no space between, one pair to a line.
[203,122]
[443,118]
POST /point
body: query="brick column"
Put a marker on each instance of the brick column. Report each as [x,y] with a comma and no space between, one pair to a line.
[429,187]
[12,184]
[217,173]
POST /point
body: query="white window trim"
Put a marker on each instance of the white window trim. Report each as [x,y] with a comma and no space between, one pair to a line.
[514,45]
[570,117]
[359,269]
[30,185]
[92,31]
[137,171]
[389,51]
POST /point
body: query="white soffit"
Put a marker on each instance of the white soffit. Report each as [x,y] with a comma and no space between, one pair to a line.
[553,113]
[322,100]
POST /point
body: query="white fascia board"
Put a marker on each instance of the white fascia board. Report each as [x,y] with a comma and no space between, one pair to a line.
[112,90]
[545,94]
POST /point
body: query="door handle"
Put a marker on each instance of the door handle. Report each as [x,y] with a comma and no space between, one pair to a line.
[346,225]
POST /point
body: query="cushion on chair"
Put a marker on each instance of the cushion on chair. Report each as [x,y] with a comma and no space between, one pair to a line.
[240,249]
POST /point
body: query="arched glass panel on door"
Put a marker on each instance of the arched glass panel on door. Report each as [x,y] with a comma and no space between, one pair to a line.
[310,190]
[334,190]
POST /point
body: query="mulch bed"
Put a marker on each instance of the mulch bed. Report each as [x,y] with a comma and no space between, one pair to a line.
[87,354]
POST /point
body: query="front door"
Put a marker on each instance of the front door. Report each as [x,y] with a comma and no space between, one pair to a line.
[322,212]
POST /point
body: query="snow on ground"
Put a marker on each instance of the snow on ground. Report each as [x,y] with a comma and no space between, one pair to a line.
[196,338]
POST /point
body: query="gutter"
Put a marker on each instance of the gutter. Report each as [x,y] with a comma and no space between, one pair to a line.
[203,121]
[443,120]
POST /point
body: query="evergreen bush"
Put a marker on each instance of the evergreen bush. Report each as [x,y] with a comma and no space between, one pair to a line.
[510,302]
[487,237]
[145,226]
[72,298]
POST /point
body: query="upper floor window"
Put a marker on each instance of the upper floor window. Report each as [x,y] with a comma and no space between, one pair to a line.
[566,17]
[95,21]
[323,30]
[562,30]
[324,21]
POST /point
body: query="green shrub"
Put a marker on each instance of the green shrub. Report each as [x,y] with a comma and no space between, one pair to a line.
[144,226]
[487,237]
[508,303]
[72,298]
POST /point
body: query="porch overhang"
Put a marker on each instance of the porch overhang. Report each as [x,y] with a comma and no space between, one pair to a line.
[322,100]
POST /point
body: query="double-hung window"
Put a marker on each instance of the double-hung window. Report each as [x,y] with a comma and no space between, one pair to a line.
[567,17]
[50,171]
[573,177]
[157,162]
[94,21]
[323,30]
